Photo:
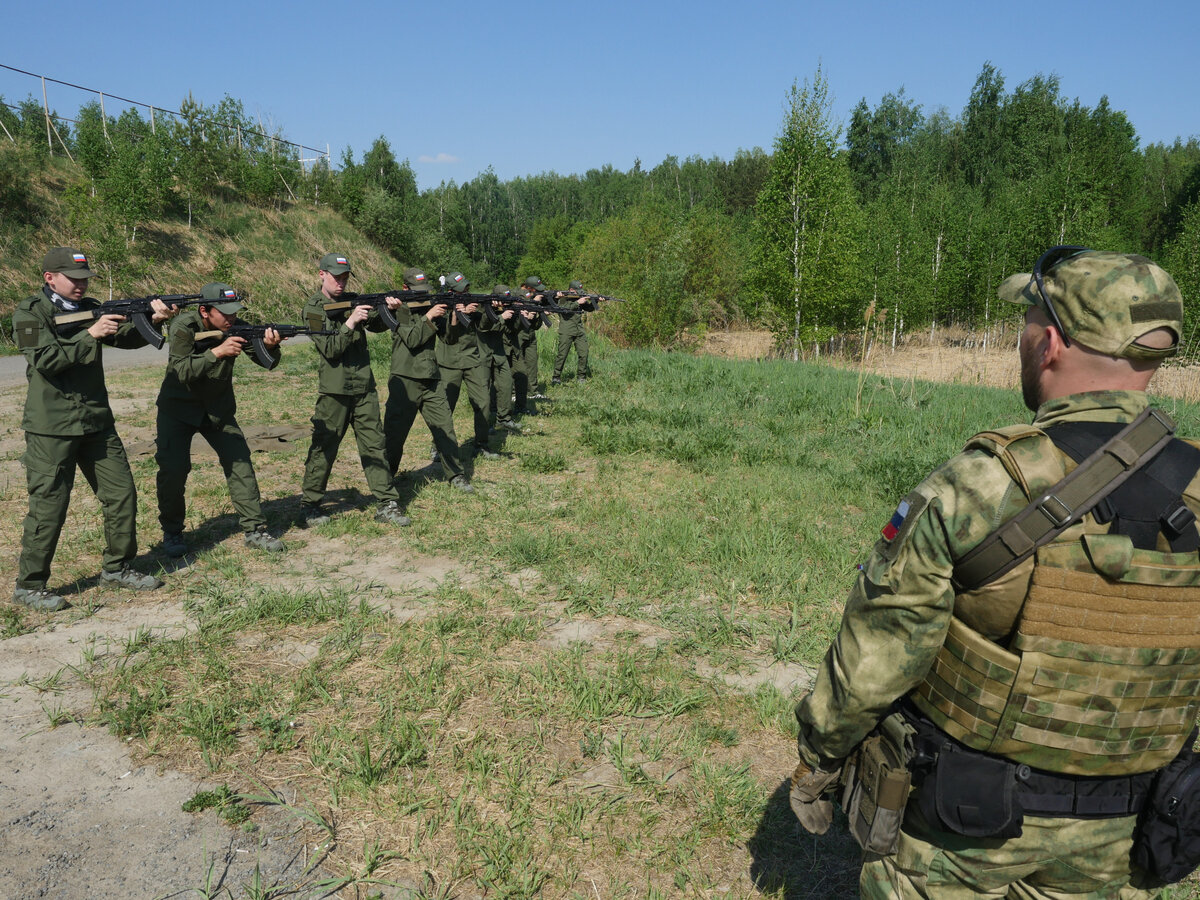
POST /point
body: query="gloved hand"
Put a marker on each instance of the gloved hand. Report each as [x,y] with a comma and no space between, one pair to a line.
[808,800]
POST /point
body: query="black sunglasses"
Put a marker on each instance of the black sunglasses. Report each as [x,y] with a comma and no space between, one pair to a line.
[1047,261]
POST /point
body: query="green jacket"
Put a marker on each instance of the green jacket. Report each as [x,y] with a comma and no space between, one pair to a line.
[457,346]
[198,386]
[571,324]
[492,339]
[898,614]
[413,353]
[345,368]
[67,394]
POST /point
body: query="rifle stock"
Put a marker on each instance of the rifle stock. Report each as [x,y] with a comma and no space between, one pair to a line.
[136,308]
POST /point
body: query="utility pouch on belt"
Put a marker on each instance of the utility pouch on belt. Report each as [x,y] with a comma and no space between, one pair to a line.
[971,794]
[1167,841]
[876,785]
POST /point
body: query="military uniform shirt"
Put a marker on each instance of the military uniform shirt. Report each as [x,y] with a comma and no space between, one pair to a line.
[899,610]
[198,385]
[345,356]
[67,394]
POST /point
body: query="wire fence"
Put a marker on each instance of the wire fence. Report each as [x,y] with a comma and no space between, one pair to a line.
[155,113]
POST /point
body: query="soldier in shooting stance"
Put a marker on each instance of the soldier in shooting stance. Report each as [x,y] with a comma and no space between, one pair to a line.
[413,384]
[1031,696]
[69,425]
[460,359]
[572,334]
[493,345]
[346,397]
[523,353]
[197,397]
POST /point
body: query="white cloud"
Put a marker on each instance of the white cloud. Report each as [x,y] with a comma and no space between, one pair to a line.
[440,159]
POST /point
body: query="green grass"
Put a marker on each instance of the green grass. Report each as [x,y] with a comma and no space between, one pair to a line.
[689,521]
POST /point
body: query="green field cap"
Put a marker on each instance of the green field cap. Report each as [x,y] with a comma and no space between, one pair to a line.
[221,297]
[502,290]
[1105,301]
[334,263]
[534,283]
[417,280]
[457,282]
[67,261]
[576,286]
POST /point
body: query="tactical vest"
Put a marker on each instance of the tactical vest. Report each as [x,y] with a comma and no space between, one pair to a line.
[1101,674]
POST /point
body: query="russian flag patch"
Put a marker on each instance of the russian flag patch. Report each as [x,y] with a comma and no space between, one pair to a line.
[229,294]
[79,258]
[892,528]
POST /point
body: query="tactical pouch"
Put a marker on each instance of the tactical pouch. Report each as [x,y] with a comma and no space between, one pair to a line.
[971,794]
[875,793]
[1166,843]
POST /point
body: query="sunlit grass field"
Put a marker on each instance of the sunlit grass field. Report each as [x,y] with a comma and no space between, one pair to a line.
[576,682]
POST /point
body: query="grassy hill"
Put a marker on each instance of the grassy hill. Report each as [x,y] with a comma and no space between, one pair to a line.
[270,254]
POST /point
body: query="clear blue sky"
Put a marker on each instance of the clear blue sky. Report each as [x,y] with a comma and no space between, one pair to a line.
[527,87]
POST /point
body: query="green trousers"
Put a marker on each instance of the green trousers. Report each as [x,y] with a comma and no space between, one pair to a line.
[565,343]
[478,393]
[335,413]
[524,362]
[407,397]
[50,464]
[500,385]
[1053,859]
[174,458]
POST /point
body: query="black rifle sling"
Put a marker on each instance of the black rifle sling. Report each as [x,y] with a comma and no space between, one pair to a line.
[1065,503]
[1149,506]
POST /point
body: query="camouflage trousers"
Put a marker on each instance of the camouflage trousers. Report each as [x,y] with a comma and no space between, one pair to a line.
[1053,859]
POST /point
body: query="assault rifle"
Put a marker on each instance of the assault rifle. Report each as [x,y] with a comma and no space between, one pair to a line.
[420,301]
[137,308]
[593,299]
[256,336]
[414,300]
[520,304]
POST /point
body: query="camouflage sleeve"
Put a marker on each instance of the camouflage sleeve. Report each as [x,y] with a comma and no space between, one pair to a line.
[899,610]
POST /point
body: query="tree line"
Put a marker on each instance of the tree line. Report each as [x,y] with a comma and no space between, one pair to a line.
[918,213]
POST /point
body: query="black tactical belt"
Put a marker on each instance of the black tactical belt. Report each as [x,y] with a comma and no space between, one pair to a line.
[1048,794]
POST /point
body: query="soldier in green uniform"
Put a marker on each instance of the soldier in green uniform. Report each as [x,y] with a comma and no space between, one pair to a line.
[1032,706]
[197,396]
[572,334]
[413,385]
[346,397]
[69,425]
[460,359]
[493,344]
[523,354]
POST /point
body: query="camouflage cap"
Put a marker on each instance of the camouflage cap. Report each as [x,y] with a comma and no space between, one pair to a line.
[221,297]
[67,261]
[334,264]
[502,290]
[417,280]
[576,286]
[1106,301]
[534,283]
[457,282]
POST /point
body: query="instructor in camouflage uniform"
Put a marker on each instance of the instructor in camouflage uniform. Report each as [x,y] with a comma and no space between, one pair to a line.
[346,396]
[69,425]
[1036,705]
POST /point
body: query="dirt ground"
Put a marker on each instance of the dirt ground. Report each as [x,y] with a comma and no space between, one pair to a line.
[79,819]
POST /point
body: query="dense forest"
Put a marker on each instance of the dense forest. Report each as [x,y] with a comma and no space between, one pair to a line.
[917,213]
